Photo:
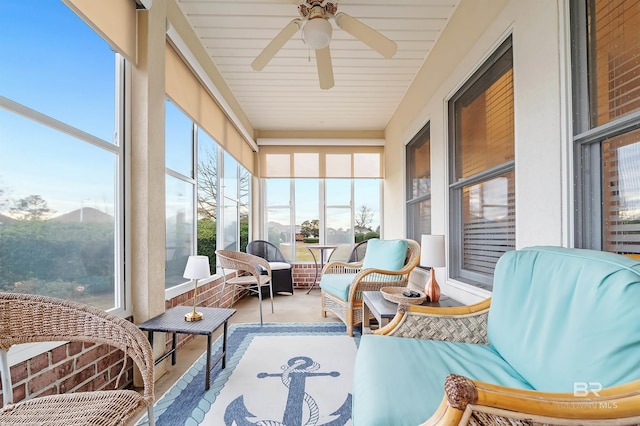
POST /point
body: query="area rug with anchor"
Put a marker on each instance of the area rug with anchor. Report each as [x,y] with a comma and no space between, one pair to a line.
[276,374]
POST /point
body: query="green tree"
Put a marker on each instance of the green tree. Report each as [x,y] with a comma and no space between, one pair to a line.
[33,207]
[310,228]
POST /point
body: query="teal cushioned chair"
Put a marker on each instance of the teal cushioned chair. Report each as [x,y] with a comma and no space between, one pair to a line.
[387,263]
[557,343]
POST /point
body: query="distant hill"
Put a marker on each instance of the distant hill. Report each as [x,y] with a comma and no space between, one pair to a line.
[86,215]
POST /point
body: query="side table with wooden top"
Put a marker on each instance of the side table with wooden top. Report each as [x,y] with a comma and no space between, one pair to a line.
[172,321]
[383,310]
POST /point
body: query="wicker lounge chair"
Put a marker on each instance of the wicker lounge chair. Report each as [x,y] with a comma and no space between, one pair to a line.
[30,318]
[359,279]
[249,272]
[556,344]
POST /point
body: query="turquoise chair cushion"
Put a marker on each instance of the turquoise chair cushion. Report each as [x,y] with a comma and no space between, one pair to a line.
[385,254]
[562,316]
[337,284]
[400,381]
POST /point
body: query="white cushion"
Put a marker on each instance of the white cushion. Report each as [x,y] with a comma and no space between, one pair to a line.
[279,265]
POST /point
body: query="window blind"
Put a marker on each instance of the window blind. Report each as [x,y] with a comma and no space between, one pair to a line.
[615,71]
[114,20]
[306,161]
[184,88]
[621,193]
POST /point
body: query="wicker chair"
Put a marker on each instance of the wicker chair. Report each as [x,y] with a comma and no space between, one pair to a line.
[248,273]
[474,402]
[31,318]
[365,279]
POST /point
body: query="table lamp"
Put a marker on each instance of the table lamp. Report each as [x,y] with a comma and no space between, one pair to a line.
[432,256]
[197,268]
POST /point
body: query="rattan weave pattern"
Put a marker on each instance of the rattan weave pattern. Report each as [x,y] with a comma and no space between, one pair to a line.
[28,318]
[479,418]
[463,328]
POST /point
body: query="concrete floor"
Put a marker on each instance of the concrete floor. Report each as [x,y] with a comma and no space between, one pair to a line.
[300,307]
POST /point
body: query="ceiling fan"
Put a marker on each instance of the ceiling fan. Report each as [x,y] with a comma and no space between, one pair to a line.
[316,32]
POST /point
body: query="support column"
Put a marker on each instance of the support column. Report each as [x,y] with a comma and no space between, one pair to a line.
[147,177]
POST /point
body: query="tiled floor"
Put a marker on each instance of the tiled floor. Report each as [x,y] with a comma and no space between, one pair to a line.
[301,307]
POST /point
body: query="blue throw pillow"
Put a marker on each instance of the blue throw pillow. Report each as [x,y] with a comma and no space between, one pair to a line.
[385,254]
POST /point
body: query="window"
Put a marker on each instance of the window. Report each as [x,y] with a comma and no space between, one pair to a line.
[179,193]
[482,170]
[199,218]
[61,168]
[419,185]
[350,213]
[606,104]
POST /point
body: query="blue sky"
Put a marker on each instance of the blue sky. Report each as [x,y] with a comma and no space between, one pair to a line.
[55,64]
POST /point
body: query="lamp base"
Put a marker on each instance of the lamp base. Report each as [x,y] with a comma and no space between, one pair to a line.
[193,316]
[432,289]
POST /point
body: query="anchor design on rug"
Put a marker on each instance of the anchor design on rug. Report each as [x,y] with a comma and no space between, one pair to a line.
[293,376]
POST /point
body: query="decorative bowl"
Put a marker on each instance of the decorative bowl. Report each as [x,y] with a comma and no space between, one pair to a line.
[394,294]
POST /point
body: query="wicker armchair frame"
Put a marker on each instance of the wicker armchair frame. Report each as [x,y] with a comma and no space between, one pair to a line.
[471,402]
[369,279]
[26,318]
[248,273]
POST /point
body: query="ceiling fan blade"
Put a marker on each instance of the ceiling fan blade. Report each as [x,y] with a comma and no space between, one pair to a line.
[275,45]
[325,68]
[367,35]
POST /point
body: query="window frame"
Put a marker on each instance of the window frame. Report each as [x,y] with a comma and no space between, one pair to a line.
[323,206]
[588,137]
[422,137]
[476,83]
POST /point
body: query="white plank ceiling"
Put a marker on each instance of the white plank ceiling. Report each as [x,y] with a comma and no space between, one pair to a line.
[286,94]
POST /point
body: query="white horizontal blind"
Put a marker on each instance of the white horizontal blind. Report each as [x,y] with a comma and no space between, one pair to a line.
[621,193]
[616,43]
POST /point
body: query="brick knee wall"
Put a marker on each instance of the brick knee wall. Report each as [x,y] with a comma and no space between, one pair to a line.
[71,367]
[304,274]
[77,367]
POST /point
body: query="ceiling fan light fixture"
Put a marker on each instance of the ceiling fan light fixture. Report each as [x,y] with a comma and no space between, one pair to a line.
[317,33]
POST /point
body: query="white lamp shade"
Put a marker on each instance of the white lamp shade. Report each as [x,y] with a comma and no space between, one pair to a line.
[317,33]
[197,268]
[432,251]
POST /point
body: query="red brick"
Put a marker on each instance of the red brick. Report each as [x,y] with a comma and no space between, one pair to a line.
[75,380]
[52,390]
[58,354]
[39,363]
[42,381]
[97,383]
[56,373]
[106,362]
[19,392]
[19,372]
[74,348]
[92,355]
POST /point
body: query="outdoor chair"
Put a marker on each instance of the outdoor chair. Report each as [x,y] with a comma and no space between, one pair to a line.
[248,273]
[358,252]
[280,269]
[26,318]
[387,263]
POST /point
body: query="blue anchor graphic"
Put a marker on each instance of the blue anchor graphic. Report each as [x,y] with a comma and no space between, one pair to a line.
[293,377]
